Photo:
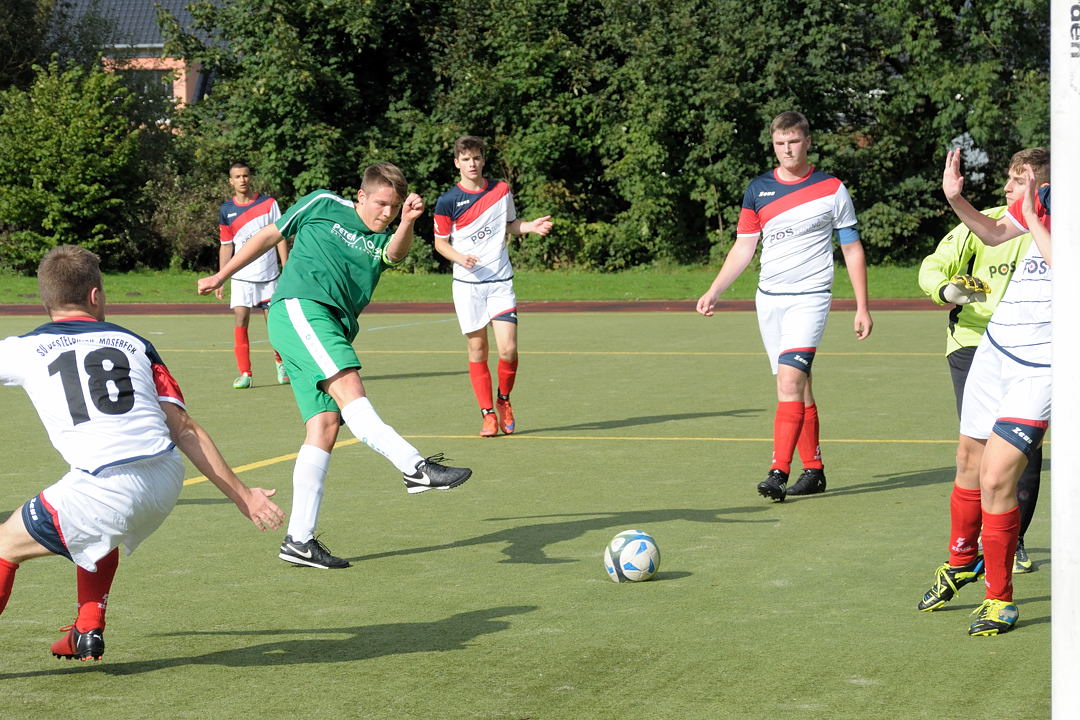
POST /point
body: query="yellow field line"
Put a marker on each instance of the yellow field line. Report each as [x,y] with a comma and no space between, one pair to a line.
[611,438]
[670,353]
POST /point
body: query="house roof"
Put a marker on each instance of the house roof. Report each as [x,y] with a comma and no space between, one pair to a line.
[134,22]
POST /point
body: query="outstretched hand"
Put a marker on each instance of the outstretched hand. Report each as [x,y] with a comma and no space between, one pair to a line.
[541,226]
[952,182]
[259,509]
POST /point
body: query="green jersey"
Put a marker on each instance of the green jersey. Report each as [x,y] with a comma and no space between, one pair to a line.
[961,251]
[335,259]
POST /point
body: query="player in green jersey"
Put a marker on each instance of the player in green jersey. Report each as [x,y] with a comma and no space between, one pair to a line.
[961,252]
[339,251]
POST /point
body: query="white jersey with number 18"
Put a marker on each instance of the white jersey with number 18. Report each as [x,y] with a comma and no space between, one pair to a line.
[97,388]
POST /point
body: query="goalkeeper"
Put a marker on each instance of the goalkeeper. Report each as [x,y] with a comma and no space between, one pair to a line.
[972,277]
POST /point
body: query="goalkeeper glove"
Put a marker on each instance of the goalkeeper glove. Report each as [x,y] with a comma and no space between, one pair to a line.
[964,289]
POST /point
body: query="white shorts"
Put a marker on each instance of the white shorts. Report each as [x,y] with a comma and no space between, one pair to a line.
[477,304]
[120,505]
[244,293]
[791,322]
[998,387]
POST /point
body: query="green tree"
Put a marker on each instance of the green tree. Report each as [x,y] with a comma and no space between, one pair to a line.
[70,170]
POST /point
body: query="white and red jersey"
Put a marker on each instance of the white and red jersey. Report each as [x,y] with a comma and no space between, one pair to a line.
[475,222]
[795,221]
[1020,326]
[238,223]
[97,388]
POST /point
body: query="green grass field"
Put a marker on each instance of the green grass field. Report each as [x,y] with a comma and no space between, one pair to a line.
[491,601]
[647,283]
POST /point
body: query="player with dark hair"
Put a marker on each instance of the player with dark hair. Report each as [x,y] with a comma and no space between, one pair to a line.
[240,217]
[116,415]
[794,209]
[972,276]
[1006,407]
[340,251]
[473,223]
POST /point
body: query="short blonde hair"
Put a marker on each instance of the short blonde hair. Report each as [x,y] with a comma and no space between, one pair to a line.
[1039,160]
[384,174]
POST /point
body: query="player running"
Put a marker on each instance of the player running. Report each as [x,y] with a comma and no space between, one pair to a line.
[338,256]
[794,209]
[117,416]
[473,222]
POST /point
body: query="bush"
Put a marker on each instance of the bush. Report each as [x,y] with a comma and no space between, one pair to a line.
[70,170]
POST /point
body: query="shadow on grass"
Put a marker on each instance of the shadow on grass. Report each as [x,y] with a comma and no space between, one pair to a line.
[204,501]
[526,543]
[361,642]
[887,481]
[642,420]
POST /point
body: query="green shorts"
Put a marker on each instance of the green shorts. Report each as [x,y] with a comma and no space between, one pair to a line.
[312,343]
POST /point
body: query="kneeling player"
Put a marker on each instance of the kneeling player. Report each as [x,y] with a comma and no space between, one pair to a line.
[117,416]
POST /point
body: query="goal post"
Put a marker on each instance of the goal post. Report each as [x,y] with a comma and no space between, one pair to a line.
[1065,420]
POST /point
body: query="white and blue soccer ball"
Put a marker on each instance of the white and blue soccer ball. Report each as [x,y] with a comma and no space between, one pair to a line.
[631,556]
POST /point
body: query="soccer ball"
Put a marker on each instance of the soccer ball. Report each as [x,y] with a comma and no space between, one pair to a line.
[631,556]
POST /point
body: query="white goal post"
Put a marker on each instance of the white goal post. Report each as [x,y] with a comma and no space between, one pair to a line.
[1065,419]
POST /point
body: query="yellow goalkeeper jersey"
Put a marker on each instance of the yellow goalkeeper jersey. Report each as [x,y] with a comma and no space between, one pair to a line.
[961,251]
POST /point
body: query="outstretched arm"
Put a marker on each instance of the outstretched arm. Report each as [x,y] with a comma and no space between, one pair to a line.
[855,259]
[737,260]
[541,226]
[990,231]
[259,243]
[194,442]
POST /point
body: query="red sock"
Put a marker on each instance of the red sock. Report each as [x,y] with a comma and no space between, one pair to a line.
[786,428]
[277,358]
[809,439]
[1000,531]
[7,579]
[480,376]
[242,349]
[507,375]
[965,509]
[93,591]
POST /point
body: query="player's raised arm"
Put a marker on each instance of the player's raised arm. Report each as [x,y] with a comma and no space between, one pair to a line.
[194,442]
[990,231]
[1038,231]
[402,240]
[259,243]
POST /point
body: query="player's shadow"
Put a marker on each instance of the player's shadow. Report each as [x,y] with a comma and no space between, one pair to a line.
[966,607]
[641,420]
[887,481]
[526,543]
[329,645]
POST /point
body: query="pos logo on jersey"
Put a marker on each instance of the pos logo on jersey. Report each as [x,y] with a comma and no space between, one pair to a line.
[356,240]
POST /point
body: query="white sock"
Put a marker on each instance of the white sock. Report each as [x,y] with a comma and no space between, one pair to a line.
[309,473]
[366,425]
